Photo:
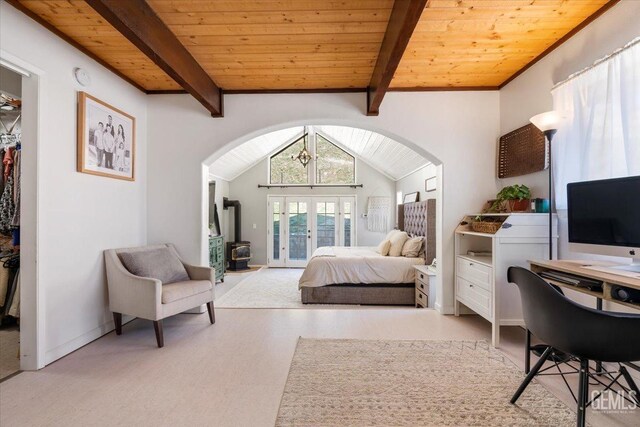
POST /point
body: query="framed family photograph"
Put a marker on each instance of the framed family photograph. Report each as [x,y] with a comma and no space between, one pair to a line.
[106,139]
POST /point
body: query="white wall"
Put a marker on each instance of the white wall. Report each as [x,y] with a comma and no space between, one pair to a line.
[416,182]
[254,204]
[457,128]
[530,93]
[79,215]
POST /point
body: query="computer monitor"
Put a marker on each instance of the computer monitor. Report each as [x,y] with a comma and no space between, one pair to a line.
[604,218]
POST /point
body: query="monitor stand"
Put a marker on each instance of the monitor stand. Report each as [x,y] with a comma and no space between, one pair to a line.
[629,270]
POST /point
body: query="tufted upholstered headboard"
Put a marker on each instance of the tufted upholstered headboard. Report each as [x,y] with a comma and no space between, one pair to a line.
[420,220]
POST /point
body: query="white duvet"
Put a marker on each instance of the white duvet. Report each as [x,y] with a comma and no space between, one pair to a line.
[356,265]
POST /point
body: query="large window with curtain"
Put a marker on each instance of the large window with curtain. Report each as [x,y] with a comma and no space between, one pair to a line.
[600,137]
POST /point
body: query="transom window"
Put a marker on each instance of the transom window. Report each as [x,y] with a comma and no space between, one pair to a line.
[330,164]
[333,165]
[284,170]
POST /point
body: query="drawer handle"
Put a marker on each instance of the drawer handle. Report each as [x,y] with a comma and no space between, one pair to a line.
[470,263]
[471,286]
[420,296]
[421,286]
[421,276]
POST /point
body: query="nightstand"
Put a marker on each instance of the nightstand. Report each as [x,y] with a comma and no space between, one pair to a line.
[423,275]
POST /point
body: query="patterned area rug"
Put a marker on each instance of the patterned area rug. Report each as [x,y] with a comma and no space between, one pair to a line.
[411,383]
[268,288]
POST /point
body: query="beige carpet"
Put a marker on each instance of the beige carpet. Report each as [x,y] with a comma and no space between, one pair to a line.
[267,288]
[411,383]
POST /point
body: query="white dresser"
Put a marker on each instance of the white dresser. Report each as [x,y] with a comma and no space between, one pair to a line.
[481,280]
[425,285]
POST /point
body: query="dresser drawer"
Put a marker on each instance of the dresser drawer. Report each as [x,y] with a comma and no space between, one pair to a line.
[422,300]
[474,297]
[474,272]
[423,277]
[423,286]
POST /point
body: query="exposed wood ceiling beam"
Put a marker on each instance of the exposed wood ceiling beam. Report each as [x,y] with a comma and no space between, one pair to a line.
[402,22]
[138,22]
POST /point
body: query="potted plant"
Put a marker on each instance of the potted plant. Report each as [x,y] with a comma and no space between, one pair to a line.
[517,196]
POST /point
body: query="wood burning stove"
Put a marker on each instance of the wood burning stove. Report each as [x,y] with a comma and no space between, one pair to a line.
[238,254]
[238,251]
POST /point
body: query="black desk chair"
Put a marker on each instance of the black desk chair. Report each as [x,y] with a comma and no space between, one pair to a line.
[572,328]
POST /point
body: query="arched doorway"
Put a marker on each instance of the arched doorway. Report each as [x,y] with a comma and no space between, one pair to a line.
[261,145]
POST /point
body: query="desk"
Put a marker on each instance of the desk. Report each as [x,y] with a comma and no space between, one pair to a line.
[578,268]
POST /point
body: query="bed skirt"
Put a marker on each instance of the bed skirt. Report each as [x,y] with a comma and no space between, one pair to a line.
[381,294]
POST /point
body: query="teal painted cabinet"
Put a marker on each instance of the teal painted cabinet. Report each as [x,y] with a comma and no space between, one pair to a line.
[216,256]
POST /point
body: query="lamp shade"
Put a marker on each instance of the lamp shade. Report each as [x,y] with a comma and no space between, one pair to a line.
[547,121]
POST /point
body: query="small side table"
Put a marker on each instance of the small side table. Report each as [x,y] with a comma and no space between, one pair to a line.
[423,276]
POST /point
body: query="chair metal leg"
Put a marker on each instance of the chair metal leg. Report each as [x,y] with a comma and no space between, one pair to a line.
[631,382]
[157,325]
[212,314]
[527,352]
[531,374]
[583,391]
[117,319]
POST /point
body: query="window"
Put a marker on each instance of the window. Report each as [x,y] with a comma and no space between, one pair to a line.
[333,165]
[287,171]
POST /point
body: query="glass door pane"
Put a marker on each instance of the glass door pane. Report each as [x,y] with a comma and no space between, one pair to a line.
[276,229]
[346,223]
[347,228]
[275,218]
[298,236]
[325,229]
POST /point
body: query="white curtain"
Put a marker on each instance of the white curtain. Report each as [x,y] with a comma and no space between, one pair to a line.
[601,135]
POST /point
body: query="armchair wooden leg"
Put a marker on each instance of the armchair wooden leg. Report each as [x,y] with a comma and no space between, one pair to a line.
[117,319]
[157,325]
[212,314]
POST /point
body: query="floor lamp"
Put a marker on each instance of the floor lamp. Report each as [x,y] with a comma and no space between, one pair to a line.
[548,123]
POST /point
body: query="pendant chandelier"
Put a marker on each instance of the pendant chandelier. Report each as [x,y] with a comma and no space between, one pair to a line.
[303,156]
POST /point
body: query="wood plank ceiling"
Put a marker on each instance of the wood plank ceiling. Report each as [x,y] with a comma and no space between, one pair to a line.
[482,43]
[316,45]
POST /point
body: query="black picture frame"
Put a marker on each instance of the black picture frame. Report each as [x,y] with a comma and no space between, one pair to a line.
[411,197]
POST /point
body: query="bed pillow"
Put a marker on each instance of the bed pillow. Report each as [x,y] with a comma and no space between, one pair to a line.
[397,242]
[391,233]
[383,247]
[412,246]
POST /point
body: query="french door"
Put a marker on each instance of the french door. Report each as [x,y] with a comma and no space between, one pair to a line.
[299,225]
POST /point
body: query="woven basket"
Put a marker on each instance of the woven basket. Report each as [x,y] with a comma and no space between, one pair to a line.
[521,152]
[486,227]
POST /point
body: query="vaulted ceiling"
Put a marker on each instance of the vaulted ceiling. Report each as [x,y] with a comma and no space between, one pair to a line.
[384,154]
[314,45]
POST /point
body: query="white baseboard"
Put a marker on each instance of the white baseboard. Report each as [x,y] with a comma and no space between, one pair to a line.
[512,322]
[443,309]
[62,350]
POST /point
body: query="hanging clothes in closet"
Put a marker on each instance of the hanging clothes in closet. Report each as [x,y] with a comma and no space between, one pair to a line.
[10,155]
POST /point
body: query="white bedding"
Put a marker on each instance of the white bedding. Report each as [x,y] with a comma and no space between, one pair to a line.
[356,265]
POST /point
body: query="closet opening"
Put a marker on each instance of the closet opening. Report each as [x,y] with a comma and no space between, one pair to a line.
[10,224]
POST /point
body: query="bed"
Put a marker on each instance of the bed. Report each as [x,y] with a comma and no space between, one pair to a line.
[359,275]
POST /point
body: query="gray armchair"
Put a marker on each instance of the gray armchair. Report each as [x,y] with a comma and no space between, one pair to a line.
[163,285]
